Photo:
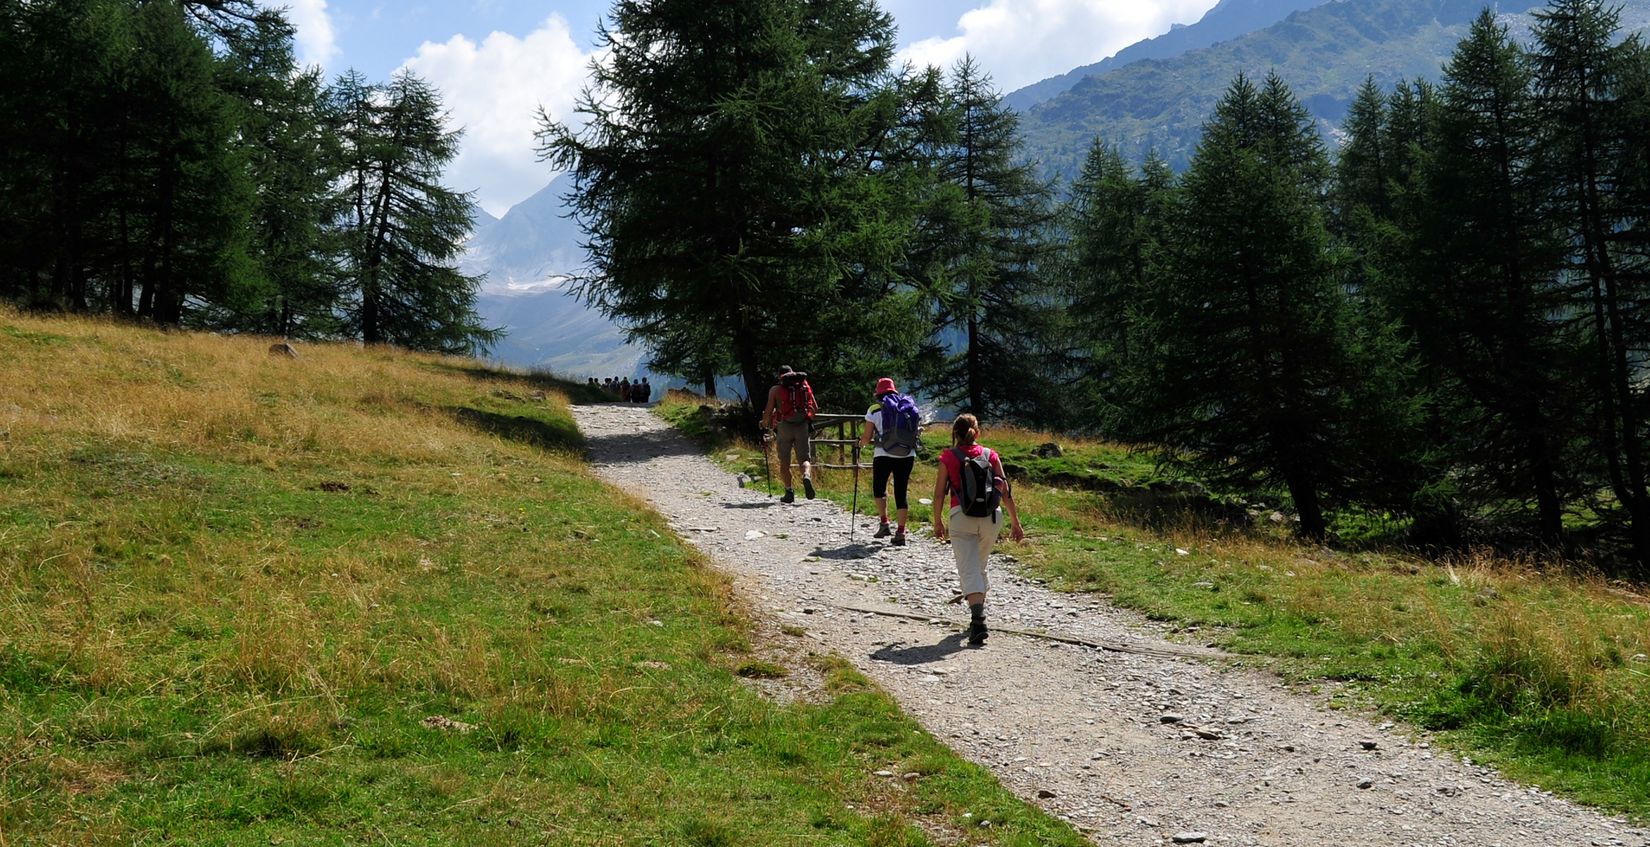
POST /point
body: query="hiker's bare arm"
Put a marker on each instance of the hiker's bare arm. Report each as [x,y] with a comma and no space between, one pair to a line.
[865,433]
[1007,491]
[767,413]
[942,481]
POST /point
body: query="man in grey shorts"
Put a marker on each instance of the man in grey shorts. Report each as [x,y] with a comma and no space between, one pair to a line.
[790,410]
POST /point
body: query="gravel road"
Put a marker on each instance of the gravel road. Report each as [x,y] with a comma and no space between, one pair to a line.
[1133,748]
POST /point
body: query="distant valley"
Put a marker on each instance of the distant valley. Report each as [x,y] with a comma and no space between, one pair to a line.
[527,256]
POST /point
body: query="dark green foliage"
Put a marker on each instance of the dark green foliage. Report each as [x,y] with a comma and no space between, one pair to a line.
[1248,366]
[1116,230]
[402,230]
[1590,149]
[169,161]
[742,175]
[988,277]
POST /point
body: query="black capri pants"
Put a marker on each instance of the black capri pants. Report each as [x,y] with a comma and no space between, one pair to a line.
[900,469]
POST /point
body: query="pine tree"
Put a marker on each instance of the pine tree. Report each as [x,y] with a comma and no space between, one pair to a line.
[1247,316]
[737,173]
[1580,72]
[1116,226]
[994,291]
[196,208]
[291,156]
[1483,298]
[402,229]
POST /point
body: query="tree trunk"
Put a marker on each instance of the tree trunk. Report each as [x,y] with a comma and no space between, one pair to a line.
[1549,510]
[1304,491]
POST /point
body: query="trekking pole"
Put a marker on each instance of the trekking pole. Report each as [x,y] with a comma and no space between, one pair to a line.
[853,509]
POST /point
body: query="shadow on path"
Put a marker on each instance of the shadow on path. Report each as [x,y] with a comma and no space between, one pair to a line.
[921,655]
[847,551]
[767,505]
[637,447]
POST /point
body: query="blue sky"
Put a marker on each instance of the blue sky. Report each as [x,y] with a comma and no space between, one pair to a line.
[497,61]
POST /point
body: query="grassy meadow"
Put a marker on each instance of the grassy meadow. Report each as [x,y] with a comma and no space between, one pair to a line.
[1529,666]
[366,596]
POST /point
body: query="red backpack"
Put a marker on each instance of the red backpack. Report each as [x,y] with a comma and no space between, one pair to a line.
[796,401]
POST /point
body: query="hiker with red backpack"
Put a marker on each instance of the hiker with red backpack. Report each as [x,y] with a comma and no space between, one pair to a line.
[789,413]
[894,424]
[973,475]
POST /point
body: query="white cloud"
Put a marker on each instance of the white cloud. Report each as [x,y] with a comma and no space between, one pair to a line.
[1022,41]
[493,90]
[316,41]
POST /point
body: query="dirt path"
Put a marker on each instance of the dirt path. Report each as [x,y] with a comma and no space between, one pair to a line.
[1132,748]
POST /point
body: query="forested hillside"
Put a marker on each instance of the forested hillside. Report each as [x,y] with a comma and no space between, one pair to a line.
[170,161]
[1323,53]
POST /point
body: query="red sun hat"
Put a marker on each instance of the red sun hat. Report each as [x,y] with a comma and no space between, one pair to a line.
[885,386]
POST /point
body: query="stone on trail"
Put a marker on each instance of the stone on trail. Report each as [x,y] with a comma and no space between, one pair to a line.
[754,534]
[1191,837]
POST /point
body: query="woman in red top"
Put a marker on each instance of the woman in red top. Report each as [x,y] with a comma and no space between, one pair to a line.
[971,537]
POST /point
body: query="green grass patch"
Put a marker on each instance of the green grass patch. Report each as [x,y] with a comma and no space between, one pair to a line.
[364,596]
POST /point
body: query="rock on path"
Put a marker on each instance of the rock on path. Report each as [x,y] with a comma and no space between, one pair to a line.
[1132,749]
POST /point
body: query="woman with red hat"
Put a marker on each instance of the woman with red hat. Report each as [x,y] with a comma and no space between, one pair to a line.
[893,424]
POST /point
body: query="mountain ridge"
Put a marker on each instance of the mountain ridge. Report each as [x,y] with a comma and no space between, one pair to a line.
[1226,20]
[1324,53]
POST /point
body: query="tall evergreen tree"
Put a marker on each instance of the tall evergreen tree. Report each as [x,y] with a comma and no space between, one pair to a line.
[1580,71]
[1116,227]
[291,156]
[402,229]
[1248,315]
[1484,299]
[736,174]
[181,128]
[994,291]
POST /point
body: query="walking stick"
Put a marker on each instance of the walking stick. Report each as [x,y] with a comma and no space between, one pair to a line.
[853,509]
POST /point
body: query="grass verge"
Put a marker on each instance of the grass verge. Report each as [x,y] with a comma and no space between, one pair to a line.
[369,596]
[1540,671]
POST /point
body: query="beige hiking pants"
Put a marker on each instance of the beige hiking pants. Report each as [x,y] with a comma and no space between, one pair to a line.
[971,542]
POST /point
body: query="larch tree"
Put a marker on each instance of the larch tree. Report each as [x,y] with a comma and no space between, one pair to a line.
[402,230]
[738,176]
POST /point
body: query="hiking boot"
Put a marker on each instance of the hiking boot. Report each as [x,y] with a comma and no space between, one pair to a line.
[790,496]
[899,538]
[808,487]
[977,632]
[883,531]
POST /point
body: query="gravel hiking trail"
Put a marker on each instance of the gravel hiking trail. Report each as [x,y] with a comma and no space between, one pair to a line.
[1134,741]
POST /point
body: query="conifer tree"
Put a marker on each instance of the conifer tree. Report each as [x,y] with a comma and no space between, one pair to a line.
[1485,301]
[738,173]
[994,293]
[1116,227]
[1580,73]
[291,156]
[402,229]
[1247,316]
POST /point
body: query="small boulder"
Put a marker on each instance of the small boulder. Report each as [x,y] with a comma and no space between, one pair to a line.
[1049,450]
[283,349]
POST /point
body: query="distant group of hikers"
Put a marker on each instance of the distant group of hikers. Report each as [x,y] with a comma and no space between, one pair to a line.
[640,391]
[969,474]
